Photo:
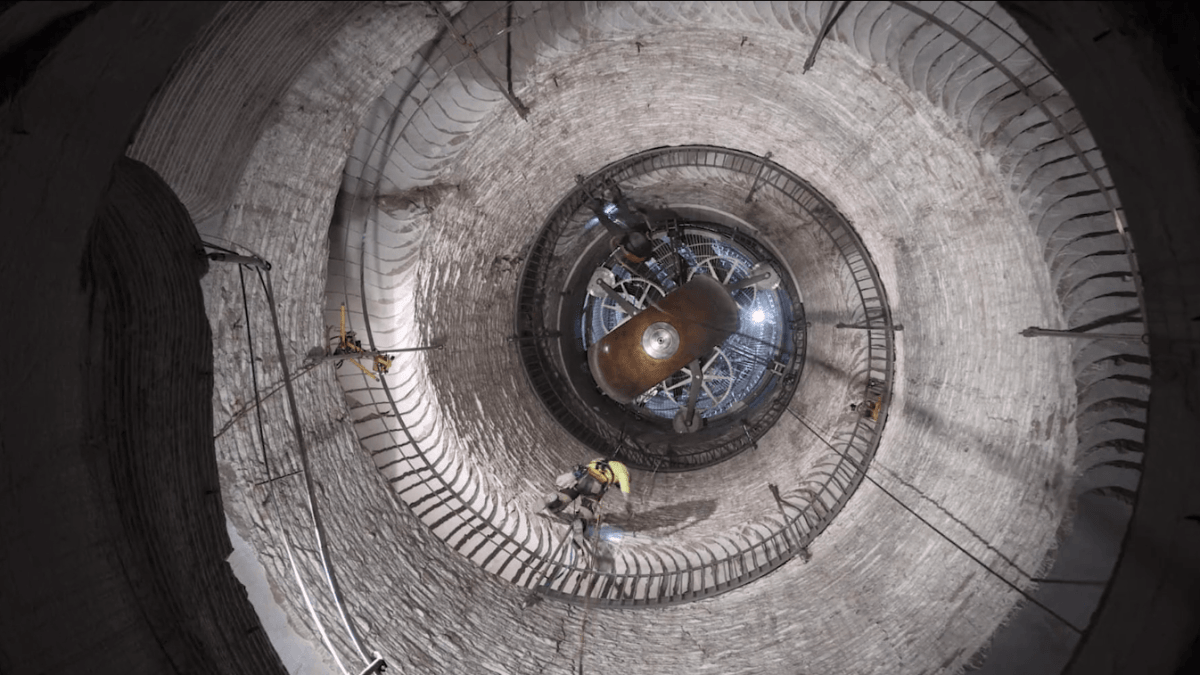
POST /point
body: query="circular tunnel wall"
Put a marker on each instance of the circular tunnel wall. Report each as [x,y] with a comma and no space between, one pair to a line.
[432,253]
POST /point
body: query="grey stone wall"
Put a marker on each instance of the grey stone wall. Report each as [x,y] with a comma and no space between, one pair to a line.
[225,92]
[462,182]
[1128,68]
[67,603]
[462,286]
[150,350]
[114,533]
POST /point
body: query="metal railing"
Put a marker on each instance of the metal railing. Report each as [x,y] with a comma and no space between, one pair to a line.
[444,494]
[672,583]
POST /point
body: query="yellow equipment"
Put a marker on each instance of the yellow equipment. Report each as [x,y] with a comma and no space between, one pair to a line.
[873,408]
[382,363]
[609,472]
[347,344]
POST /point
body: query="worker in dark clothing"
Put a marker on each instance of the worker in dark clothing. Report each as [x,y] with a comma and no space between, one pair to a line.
[632,233]
[580,491]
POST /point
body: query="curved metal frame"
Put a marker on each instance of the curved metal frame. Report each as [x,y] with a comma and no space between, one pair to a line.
[738,566]
[587,336]
[749,559]
[534,326]
[533,331]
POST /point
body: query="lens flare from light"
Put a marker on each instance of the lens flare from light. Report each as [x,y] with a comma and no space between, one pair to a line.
[612,535]
[758,316]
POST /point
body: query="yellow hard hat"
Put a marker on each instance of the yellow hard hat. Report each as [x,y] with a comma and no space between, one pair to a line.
[616,472]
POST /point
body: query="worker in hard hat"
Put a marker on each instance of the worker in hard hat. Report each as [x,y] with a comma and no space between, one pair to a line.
[584,487]
[627,225]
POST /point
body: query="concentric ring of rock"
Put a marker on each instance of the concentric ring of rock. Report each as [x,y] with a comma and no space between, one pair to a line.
[836,127]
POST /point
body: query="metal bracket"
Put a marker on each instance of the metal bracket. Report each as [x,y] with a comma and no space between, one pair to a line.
[376,666]
[746,430]
[247,260]
[835,12]
[521,108]
[1034,331]
[686,420]
[625,305]
[757,177]
[761,276]
[863,326]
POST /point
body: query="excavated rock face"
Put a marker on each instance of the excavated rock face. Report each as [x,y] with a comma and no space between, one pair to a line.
[392,176]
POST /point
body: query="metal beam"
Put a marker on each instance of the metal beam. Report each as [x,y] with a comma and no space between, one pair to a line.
[508,46]
[522,110]
[616,297]
[835,12]
[1034,331]
[410,349]
[863,326]
[757,177]
[378,665]
[247,260]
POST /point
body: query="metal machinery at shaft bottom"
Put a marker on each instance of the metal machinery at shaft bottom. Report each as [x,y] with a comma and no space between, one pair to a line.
[658,341]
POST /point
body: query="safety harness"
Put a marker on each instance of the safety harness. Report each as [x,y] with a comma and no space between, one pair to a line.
[602,472]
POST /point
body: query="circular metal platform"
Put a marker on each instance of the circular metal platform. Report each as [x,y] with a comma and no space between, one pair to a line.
[738,373]
[578,286]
